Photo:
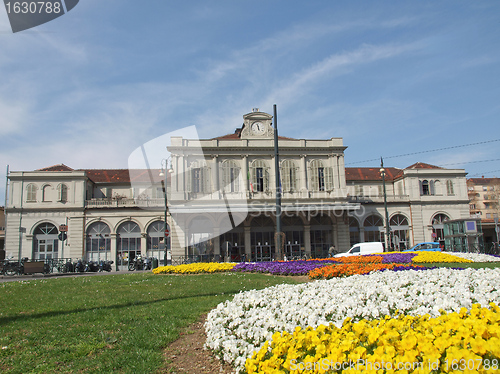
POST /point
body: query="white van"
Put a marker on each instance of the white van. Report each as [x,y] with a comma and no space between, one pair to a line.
[367,248]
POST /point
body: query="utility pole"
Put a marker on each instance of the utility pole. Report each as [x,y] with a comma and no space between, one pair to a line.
[279,239]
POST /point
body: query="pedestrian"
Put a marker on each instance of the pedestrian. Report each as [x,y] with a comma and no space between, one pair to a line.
[331,251]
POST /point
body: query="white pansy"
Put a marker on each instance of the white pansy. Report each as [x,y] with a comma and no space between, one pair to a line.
[235,329]
[476,257]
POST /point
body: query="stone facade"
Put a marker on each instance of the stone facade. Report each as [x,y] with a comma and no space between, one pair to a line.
[222,198]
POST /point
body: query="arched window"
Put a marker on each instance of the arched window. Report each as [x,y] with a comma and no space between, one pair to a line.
[449,188]
[156,241]
[198,178]
[424,187]
[353,231]
[46,192]
[259,176]
[31,192]
[438,188]
[288,176]
[373,225]
[230,176]
[438,226]
[200,236]
[62,193]
[321,176]
[45,241]
[128,243]
[98,243]
[400,231]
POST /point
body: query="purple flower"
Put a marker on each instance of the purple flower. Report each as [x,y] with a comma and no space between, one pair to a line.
[398,258]
[300,267]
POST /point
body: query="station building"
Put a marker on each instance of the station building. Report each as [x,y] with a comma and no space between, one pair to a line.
[221,195]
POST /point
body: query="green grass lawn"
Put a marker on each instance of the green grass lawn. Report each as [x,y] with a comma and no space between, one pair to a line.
[110,323]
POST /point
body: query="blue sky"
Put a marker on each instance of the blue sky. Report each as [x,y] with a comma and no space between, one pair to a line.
[390,78]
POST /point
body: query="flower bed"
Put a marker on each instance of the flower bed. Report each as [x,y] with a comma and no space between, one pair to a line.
[301,267]
[430,257]
[199,267]
[237,328]
[345,270]
[417,344]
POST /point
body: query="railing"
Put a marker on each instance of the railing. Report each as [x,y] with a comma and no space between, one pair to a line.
[125,203]
[377,198]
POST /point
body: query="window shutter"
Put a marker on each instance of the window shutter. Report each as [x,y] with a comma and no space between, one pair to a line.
[328,179]
[266,179]
[293,178]
[236,178]
[449,185]
[189,180]
[314,175]
[421,188]
[223,176]
[205,180]
[285,177]
[254,177]
[431,188]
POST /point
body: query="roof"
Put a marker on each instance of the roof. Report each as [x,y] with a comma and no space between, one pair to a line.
[422,165]
[483,180]
[115,175]
[125,175]
[371,174]
[236,135]
[60,167]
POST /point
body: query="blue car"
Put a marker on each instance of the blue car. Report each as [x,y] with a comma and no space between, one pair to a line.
[426,246]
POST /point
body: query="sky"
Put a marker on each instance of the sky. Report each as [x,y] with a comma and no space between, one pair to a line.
[410,81]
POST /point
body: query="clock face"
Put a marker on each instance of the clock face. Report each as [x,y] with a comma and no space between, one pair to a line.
[258,128]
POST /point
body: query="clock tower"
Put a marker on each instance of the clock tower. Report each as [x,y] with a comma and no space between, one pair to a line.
[257,125]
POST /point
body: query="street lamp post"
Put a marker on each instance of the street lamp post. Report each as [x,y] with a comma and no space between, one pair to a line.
[164,188]
[387,232]
[496,230]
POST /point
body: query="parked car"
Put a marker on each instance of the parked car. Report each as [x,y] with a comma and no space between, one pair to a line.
[367,248]
[426,246]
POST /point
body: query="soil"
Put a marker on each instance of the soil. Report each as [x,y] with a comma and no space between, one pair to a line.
[187,355]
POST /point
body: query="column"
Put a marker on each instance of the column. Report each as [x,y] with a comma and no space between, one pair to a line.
[248,244]
[303,174]
[144,244]
[307,240]
[335,169]
[216,184]
[335,232]
[216,242]
[341,168]
[244,171]
[113,250]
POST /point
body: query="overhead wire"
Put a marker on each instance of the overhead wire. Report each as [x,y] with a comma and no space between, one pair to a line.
[427,151]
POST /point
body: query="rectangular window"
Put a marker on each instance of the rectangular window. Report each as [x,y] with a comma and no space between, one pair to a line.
[259,174]
[321,179]
[232,178]
[196,180]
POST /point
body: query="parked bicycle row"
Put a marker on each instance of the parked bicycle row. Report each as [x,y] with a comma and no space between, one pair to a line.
[24,266]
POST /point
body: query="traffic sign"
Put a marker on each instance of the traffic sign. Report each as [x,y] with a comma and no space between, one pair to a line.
[63,228]
[62,236]
[166,233]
